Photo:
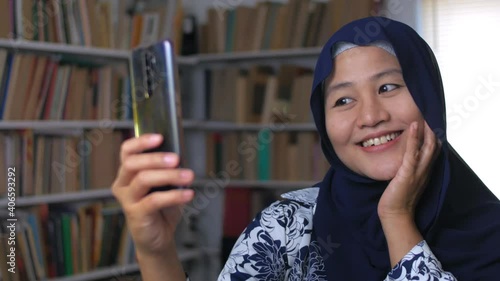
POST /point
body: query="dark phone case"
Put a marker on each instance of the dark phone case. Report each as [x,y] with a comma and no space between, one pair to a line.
[156,98]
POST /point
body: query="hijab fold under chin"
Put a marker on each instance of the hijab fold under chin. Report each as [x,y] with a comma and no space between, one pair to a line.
[346,212]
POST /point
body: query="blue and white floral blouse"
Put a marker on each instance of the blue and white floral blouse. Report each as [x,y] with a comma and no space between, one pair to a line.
[277,246]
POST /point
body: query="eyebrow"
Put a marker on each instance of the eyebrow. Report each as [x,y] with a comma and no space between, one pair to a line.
[374,77]
[386,73]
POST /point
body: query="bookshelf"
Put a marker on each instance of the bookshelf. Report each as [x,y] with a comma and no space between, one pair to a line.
[203,264]
[196,126]
[84,54]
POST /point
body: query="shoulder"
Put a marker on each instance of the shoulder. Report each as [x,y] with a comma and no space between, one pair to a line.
[302,200]
[271,243]
[305,196]
[294,211]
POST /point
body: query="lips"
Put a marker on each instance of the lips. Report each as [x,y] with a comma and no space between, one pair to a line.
[380,139]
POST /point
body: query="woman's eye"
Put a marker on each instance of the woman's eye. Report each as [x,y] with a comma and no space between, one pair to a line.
[387,88]
[343,101]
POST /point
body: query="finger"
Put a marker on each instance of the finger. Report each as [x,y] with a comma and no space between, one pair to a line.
[410,157]
[137,162]
[139,144]
[157,201]
[428,150]
[145,180]
[130,147]
[412,144]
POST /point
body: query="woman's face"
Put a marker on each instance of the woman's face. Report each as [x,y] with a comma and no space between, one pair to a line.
[368,111]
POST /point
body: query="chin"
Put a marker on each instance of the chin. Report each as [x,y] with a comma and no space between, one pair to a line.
[383,173]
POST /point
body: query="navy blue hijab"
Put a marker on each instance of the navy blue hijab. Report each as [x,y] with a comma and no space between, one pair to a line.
[457,215]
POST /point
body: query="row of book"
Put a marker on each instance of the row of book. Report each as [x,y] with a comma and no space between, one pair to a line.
[49,164]
[34,87]
[52,164]
[259,94]
[125,24]
[46,89]
[271,25]
[265,155]
[55,241]
[117,24]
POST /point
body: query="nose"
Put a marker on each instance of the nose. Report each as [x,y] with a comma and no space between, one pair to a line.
[372,112]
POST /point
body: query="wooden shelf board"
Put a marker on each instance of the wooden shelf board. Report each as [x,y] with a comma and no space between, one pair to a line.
[89,53]
[90,195]
[121,270]
[62,124]
[286,54]
[268,184]
[106,54]
[187,125]
[61,198]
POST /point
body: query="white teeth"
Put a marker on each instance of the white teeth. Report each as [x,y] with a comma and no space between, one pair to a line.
[380,140]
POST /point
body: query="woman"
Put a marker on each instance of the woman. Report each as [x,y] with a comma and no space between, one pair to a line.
[398,202]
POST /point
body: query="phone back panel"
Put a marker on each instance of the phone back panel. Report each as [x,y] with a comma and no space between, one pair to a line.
[156,95]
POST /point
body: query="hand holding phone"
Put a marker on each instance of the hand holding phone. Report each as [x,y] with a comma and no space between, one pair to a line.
[156,98]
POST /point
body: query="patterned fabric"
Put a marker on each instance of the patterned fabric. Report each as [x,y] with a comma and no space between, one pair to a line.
[278,245]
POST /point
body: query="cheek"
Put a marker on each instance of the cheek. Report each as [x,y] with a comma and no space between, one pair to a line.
[407,109]
[412,114]
[338,129]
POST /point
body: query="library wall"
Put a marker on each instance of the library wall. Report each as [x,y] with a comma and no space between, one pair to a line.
[65,108]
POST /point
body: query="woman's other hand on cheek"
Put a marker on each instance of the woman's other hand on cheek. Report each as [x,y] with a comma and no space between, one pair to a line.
[396,208]
[404,190]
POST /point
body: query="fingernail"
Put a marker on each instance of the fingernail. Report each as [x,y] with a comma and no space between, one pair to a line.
[169,159]
[188,193]
[185,174]
[154,138]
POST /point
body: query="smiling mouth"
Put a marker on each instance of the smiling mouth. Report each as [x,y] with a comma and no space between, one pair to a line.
[380,140]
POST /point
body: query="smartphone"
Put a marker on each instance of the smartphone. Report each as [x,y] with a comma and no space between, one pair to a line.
[156,98]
